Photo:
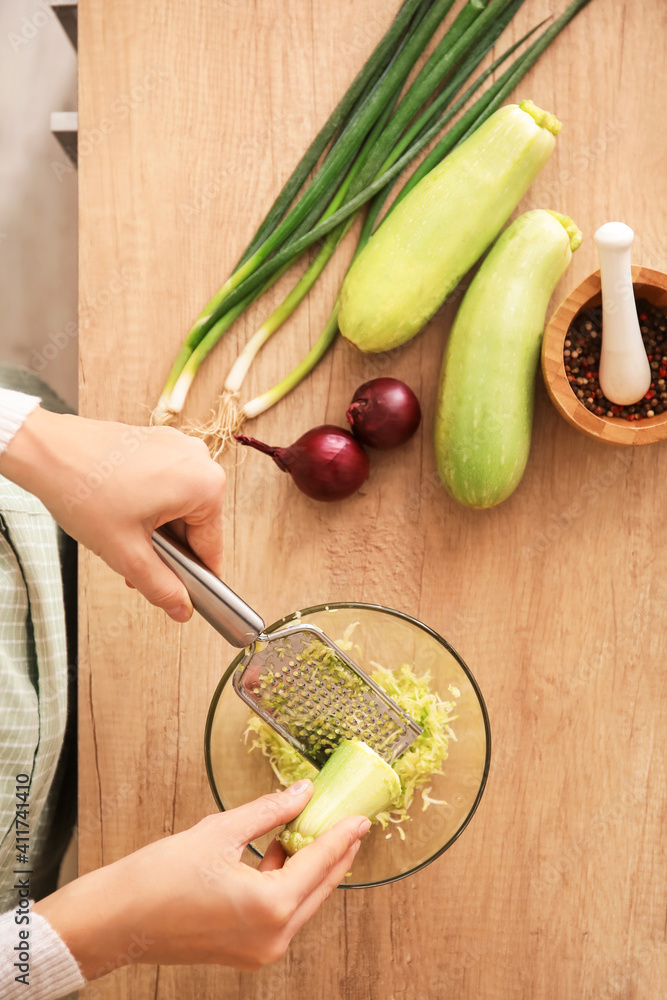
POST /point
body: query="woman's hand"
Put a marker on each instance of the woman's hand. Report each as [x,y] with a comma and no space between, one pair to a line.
[110,485]
[189,899]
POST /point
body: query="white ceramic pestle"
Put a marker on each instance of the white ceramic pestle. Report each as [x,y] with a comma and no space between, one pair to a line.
[625,372]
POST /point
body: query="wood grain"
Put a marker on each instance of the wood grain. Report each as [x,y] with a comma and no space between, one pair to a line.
[195,114]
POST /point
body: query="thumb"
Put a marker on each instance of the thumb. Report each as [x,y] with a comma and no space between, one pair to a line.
[266,813]
[160,586]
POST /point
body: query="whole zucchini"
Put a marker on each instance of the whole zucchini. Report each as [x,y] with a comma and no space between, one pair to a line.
[485,401]
[437,232]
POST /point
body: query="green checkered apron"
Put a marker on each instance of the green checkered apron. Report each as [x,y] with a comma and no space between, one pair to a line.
[33,692]
[33,673]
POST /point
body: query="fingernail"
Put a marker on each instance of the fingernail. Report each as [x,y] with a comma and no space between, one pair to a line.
[364,827]
[299,786]
[181,613]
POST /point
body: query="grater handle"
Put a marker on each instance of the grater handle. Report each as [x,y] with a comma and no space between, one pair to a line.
[221,607]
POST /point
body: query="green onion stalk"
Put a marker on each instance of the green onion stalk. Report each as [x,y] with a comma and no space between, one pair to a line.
[464,46]
[255,270]
[386,153]
[325,226]
[346,130]
[230,417]
[226,420]
[486,105]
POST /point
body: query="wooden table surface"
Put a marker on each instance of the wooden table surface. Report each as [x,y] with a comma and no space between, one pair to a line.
[191,117]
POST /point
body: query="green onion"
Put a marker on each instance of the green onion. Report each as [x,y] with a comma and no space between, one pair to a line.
[278,317]
[469,122]
[305,283]
[488,103]
[468,39]
[496,94]
[441,104]
[257,269]
[361,86]
[478,113]
[251,275]
[224,423]
[279,225]
[297,375]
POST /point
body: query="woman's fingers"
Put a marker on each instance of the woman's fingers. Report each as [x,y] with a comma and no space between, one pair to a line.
[322,863]
[204,526]
[262,815]
[309,907]
[274,857]
[144,570]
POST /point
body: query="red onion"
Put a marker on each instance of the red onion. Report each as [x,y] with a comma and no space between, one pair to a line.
[384,413]
[326,463]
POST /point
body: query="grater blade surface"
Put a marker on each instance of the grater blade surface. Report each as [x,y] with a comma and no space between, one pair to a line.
[312,693]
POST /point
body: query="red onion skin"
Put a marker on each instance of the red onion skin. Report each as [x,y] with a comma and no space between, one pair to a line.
[327,463]
[384,413]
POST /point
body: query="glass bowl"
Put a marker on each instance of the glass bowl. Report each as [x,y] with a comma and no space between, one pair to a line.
[391,638]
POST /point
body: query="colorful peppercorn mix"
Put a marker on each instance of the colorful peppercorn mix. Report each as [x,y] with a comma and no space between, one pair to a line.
[581,356]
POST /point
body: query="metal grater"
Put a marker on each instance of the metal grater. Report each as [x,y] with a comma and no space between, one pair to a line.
[296,678]
[315,696]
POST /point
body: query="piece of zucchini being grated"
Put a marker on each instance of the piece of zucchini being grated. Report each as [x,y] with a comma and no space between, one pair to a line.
[414,769]
[354,780]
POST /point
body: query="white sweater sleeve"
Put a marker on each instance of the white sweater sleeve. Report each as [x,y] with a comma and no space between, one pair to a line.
[39,967]
[14,408]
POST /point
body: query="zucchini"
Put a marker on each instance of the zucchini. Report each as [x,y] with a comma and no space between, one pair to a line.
[441,228]
[354,780]
[485,402]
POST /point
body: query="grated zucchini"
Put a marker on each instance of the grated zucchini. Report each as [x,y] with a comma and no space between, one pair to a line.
[414,769]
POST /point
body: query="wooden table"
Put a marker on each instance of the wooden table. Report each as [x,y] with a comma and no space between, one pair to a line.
[191,117]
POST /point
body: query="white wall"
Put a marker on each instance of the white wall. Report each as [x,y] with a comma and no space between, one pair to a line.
[38,197]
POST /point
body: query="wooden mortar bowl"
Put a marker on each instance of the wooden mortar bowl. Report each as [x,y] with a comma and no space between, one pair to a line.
[648,284]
